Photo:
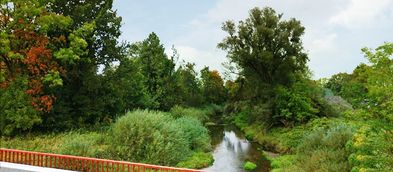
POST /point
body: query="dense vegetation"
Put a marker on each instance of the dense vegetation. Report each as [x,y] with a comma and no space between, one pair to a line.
[68,86]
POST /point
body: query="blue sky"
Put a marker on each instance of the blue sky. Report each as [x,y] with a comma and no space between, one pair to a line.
[336,30]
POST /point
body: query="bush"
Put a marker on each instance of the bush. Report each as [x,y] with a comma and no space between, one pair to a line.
[283,161]
[195,133]
[197,161]
[249,166]
[149,136]
[87,145]
[324,150]
[16,111]
[371,149]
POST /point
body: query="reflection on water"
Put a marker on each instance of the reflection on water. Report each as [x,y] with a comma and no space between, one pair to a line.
[232,150]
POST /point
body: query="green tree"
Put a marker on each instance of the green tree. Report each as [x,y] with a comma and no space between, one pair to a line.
[274,85]
[380,80]
[213,86]
[80,100]
[266,48]
[157,70]
[189,86]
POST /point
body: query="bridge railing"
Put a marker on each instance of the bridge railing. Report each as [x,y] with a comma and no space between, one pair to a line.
[84,164]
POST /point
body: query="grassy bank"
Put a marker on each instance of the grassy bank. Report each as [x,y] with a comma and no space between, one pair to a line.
[328,144]
[175,138]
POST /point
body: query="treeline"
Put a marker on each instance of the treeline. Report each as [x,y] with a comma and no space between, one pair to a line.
[62,67]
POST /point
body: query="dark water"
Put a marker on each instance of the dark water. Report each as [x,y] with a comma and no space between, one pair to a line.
[232,150]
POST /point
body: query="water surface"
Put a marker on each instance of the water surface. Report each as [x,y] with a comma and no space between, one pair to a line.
[232,150]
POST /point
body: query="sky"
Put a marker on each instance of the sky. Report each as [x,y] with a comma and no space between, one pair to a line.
[335,32]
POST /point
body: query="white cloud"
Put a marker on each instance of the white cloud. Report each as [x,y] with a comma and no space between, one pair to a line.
[361,12]
[323,43]
[201,58]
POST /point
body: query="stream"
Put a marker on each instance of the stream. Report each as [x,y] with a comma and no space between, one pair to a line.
[232,150]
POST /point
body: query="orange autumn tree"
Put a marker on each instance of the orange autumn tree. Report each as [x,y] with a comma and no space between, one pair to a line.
[33,49]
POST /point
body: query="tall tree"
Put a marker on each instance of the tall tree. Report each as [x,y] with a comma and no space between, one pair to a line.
[157,70]
[83,84]
[266,48]
[268,54]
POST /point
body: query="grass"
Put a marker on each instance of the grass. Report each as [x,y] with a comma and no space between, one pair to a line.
[197,161]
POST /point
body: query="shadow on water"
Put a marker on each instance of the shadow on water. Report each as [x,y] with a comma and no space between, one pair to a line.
[232,150]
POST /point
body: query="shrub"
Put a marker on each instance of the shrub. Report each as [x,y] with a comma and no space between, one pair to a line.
[87,145]
[283,161]
[149,136]
[324,150]
[371,149]
[195,133]
[197,161]
[249,166]
[16,111]
[199,114]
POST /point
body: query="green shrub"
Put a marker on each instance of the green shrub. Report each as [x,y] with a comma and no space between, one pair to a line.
[283,161]
[87,145]
[149,136]
[197,161]
[195,133]
[199,114]
[371,149]
[249,166]
[16,111]
[324,150]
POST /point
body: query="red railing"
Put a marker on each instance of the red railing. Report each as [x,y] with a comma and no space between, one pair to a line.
[76,163]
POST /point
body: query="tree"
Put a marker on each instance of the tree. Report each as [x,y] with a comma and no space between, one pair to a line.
[189,86]
[157,70]
[34,50]
[265,48]
[213,86]
[380,80]
[268,54]
[77,99]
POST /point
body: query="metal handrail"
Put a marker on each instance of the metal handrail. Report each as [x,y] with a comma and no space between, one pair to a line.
[77,163]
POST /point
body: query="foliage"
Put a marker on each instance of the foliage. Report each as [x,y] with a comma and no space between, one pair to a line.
[85,98]
[155,137]
[266,48]
[282,162]
[151,137]
[16,112]
[370,149]
[198,160]
[189,87]
[195,133]
[199,114]
[274,81]
[379,82]
[79,144]
[157,70]
[213,87]
[249,166]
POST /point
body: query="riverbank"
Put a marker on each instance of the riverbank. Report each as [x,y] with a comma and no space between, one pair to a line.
[332,144]
[176,138]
